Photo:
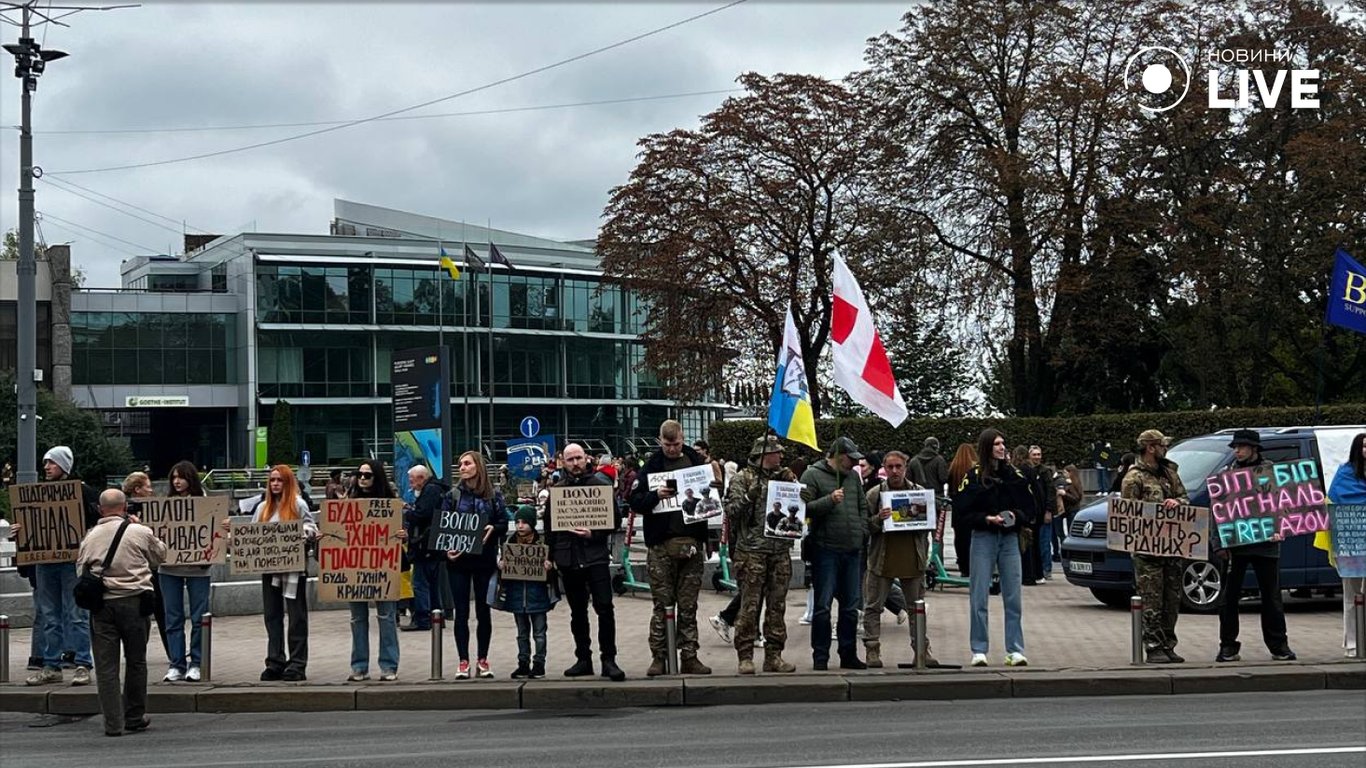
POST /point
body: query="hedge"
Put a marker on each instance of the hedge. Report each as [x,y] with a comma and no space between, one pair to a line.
[1064,440]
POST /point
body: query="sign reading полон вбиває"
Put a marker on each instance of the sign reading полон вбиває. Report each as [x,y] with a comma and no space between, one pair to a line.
[1251,505]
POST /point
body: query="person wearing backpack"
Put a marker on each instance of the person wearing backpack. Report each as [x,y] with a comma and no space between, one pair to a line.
[122,554]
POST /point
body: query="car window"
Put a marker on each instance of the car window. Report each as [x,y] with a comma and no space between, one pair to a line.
[1198,459]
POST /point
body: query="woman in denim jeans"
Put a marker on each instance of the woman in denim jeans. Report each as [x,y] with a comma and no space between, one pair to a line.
[472,572]
[178,581]
[371,482]
[993,501]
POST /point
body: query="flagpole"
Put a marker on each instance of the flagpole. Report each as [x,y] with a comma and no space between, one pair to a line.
[489,233]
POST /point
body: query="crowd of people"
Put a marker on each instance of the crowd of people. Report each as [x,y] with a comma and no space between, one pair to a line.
[1008,509]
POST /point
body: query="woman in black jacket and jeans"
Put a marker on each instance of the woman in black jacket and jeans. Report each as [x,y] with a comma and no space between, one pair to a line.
[475,495]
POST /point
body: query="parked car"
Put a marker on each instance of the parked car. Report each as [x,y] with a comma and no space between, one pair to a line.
[1109,574]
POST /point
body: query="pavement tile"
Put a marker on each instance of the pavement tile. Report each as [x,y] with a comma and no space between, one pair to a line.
[20,698]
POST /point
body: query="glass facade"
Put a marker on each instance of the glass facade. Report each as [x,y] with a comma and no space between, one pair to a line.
[164,348]
[9,338]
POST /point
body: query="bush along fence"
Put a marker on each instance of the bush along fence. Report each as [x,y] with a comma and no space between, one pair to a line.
[1064,440]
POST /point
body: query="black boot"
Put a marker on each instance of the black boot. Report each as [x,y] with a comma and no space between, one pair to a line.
[611,671]
[581,668]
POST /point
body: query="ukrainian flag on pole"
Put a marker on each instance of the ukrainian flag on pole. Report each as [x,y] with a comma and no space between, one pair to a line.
[789,408]
[448,264]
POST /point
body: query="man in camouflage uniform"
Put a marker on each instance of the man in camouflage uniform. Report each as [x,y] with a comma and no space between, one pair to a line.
[900,555]
[1158,579]
[763,565]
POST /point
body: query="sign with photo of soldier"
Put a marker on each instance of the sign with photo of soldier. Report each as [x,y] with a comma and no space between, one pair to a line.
[911,510]
[784,511]
[1147,528]
[524,562]
[51,519]
[275,547]
[689,485]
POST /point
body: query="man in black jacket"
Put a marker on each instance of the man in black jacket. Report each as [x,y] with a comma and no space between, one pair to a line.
[427,571]
[676,552]
[583,557]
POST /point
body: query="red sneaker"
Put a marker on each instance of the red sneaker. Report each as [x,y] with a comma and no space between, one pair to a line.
[463,672]
[484,670]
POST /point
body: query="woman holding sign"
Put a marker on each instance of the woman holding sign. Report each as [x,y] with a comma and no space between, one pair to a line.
[472,555]
[373,483]
[1349,487]
[284,593]
[179,581]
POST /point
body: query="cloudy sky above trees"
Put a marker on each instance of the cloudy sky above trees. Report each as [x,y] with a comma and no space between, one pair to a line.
[545,172]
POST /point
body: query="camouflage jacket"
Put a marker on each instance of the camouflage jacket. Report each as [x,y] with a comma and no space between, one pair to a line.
[745,509]
[1156,484]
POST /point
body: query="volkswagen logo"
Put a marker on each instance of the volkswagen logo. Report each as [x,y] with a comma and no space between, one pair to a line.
[1086,529]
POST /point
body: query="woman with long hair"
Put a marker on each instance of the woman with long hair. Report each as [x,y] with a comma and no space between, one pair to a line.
[371,482]
[994,500]
[284,593]
[1349,487]
[181,581]
[963,461]
[468,572]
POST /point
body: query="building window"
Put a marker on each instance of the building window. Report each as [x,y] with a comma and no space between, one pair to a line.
[297,364]
[154,348]
[313,294]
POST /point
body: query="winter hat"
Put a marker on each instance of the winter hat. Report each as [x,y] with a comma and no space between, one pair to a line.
[527,513]
[61,456]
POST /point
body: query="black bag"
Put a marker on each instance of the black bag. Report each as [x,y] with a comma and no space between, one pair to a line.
[89,589]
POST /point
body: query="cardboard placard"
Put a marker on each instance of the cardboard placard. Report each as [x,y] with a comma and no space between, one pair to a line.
[456,531]
[1254,504]
[582,506]
[1348,536]
[360,556]
[784,511]
[267,548]
[191,526]
[694,479]
[1146,528]
[524,562]
[52,516]
[911,511]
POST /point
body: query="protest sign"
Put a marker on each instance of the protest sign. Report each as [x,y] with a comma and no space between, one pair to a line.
[688,484]
[784,511]
[1347,532]
[582,506]
[359,553]
[191,526]
[524,562]
[267,548]
[1252,505]
[456,531]
[1147,528]
[51,517]
[911,511]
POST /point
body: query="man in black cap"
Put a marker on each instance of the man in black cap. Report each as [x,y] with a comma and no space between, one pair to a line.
[1265,561]
[839,515]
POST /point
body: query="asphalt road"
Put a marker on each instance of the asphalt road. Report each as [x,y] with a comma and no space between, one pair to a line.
[1322,729]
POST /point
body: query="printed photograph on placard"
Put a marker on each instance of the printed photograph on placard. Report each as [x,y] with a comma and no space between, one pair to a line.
[911,510]
[784,511]
[690,485]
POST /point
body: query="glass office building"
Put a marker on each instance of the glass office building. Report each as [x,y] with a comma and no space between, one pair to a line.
[194,352]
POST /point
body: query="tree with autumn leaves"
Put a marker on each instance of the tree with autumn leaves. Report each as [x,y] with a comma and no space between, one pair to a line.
[1003,201]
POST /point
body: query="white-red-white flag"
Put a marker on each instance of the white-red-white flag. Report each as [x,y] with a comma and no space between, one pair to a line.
[861,365]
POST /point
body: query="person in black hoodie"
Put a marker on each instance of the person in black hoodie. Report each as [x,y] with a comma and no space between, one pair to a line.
[676,552]
[583,558]
[427,493]
[993,501]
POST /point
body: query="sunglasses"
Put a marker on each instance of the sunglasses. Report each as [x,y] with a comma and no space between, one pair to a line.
[365,474]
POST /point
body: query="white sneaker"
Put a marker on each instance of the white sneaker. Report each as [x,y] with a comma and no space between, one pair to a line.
[81,676]
[173,675]
[726,631]
[1016,660]
[805,621]
[192,675]
[978,660]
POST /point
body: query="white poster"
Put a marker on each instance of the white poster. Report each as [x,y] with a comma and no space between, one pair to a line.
[1334,444]
[784,511]
[911,511]
[691,486]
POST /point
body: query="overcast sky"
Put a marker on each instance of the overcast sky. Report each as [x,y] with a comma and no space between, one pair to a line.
[546,172]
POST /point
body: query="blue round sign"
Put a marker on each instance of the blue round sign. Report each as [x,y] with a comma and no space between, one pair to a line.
[530,426]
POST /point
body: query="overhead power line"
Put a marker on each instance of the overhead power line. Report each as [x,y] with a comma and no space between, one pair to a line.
[63,185]
[413,108]
[69,225]
[470,113]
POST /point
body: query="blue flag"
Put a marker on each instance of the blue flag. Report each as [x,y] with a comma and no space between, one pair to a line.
[1347,295]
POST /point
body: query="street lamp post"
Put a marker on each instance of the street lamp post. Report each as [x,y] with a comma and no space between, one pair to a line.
[29,63]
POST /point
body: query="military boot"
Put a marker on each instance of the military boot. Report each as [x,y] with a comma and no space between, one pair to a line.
[874,654]
[746,667]
[773,662]
[691,665]
[657,667]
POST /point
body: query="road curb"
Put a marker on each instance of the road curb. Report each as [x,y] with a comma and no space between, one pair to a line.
[933,685]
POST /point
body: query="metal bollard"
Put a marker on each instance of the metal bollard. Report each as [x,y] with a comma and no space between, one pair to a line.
[921,634]
[671,631]
[1136,629]
[206,648]
[1358,616]
[438,625]
[4,647]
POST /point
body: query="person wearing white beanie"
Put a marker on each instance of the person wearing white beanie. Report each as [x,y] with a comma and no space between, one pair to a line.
[61,456]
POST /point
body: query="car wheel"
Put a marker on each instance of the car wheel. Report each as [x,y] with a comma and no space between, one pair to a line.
[1115,598]
[1202,587]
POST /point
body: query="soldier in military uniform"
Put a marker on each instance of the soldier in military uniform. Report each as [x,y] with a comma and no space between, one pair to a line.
[763,564]
[1154,479]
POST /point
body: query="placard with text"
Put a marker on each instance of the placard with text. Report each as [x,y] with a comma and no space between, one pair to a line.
[524,562]
[1149,528]
[1252,505]
[582,506]
[51,518]
[275,547]
[360,557]
[191,526]
[911,510]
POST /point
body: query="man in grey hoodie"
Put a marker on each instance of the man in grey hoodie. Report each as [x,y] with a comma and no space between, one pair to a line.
[839,517]
[928,468]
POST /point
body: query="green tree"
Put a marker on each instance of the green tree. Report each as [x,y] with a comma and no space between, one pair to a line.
[280,439]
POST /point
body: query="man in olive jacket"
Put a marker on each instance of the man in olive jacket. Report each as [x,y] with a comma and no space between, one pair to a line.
[839,516]
[900,555]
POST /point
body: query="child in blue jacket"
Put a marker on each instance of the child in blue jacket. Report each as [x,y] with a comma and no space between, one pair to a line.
[528,601]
